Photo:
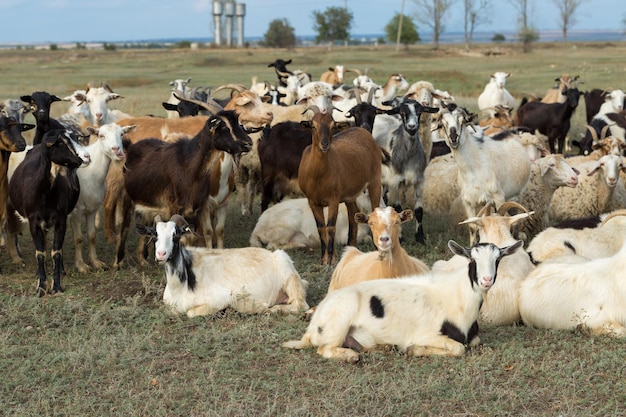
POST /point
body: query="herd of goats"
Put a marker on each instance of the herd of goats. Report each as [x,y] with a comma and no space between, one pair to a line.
[357,162]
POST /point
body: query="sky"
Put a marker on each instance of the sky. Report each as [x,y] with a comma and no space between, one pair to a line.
[58,21]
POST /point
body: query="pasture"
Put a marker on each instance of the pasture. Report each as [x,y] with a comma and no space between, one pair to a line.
[108,346]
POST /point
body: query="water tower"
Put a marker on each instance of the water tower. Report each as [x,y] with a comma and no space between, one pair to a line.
[217,21]
[229,11]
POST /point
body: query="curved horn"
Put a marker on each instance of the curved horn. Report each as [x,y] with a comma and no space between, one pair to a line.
[612,214]
[283,74]
[507,205]
[240,88]
[313,108]
[211,105]
[594,134]
[487,210]
[355,70]
[357,94]
[603,131]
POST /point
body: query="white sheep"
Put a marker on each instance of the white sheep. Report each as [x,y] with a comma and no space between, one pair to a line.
[495,94]
[594,191]
[204,281]
[546,176]
[599,239]
[291,224]
[589,296]
[430,314]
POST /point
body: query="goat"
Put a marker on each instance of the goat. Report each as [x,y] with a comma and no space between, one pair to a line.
[45,201]
[280,66]
[179,86]
[430,314]
[550,119]
[335,169]
[334,75]
[404,178]
[390,260]
[175,176]
[204,281]
[555,94]
[585,295]
[14,108]
[39,103]
[504,166]
[92,178]
[495,94]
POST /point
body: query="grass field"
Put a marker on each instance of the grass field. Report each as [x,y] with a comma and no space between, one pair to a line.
[109,347]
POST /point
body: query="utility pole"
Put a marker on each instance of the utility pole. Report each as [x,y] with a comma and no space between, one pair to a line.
[399,26]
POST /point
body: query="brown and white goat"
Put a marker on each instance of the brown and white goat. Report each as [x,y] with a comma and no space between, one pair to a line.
[389,261]
[336,169]
[555,94]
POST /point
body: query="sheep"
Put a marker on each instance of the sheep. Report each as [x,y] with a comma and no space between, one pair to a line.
[107,147]
[45,201]
[601,239]
[335,169]
[14,108]
[504,165]
[404,178]
[204,281]
[550,119]
[495,94]
[175,177]
[500,306]
[390,260]
[430,314]
[587,296]
[555,94]
[593,192]
[290,224]
[547,175]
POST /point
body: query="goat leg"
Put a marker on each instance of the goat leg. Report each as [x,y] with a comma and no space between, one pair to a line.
[419,234]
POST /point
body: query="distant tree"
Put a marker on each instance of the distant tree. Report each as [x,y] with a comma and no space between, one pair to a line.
[109,46]
[498,37]
[431,13]
[527,34]
[54,47]
[567,11]
[475,13]
[280,34]
[333,24]
[408,35]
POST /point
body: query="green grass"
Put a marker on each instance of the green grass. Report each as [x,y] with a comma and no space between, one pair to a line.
[108,345]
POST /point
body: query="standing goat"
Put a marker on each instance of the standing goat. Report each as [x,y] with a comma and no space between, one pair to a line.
[495,94]
[337,168]
[431,314]
[45,201]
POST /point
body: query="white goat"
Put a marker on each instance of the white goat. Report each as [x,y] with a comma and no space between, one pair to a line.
[14,108]
[430,314]
[588,296]
[503,166]
[92,178]
[495,94]
[179,87]
[598,241]
[204,281]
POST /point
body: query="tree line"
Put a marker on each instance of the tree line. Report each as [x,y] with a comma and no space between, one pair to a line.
[333,24]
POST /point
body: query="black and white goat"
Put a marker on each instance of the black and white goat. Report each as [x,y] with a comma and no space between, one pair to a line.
[203,281]
[430,314]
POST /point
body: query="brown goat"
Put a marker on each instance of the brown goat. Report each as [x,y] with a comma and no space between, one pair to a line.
[389,261]
[336,169]
[501,120]
[556,93]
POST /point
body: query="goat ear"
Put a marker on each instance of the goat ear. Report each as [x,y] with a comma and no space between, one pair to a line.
[342,125]
[361,218]
[26,99]
[406,215]
[458,249]
[92,130]
[55,98]
[306,124]
[507,250]
[26,126]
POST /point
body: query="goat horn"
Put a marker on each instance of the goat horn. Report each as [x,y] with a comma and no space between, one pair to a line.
[612,214]
[357,94]
[506,206]
[370,96]
[211,105]
[240,88]
[487,210]
[283,74]
[313,108]
[106,86]
[594,134]
[603,131]
[179,220]
[355,70]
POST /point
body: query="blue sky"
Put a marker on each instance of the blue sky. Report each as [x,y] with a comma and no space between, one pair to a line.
[31,21]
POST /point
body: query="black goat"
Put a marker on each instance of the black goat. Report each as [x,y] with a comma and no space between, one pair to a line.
[280,66]
[550,119]
[175,177]
[44,200]
[39,103]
